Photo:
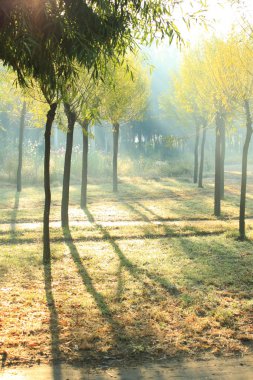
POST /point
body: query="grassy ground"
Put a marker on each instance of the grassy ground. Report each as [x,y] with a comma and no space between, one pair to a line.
[149,272]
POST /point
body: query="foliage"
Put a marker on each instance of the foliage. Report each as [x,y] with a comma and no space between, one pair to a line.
[125,92]
[42,39]
[12,97]
[213,78]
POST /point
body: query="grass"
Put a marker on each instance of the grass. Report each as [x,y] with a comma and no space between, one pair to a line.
[147,273]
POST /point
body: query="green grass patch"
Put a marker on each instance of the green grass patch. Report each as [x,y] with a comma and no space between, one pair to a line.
[149,272]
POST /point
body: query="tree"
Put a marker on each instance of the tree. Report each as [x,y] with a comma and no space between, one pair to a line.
[220,106]
[190,98]
[205,68]
[89,32]
[19,104]
[42,40]
[71,116]
[124,98]
[202,154]
[89,114]
[78,100]
[238,81]
[20,147]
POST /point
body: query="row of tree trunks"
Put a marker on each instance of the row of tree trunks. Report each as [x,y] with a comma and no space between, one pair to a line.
[196,154]
[115,133]
[222,155]
[219,163]
[202,156]
[199,166]
[20,147]
[83,202]
[67,163]
[219,166]
[217,179]
[244,170]
[46,235]
[71,116]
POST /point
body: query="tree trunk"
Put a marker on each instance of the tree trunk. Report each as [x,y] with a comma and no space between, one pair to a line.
[217,185]
[115,132]
[20,148]
[46,236]
[223,148]
[83,202]
[202,156]
[67,166]
[196,155]
[244,171]
[140,139]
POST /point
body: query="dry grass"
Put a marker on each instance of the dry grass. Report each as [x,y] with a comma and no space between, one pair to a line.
[150,273]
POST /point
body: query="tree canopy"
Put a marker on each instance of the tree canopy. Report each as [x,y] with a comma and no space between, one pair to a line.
[42,38]
[125,93]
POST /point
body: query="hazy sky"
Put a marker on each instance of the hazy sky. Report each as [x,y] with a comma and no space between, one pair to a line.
[221,16]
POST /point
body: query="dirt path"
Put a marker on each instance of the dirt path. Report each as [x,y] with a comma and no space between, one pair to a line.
[225,368]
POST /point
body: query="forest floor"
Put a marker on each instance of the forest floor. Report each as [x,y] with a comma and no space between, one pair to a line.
[146,274]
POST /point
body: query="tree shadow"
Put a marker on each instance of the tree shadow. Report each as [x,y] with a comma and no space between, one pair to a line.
[54,323]
[87,280]
[125,342]
[120,286]
[150,211]
[118,330]
[135,192]
[217,263]
[139,214]
[132,268]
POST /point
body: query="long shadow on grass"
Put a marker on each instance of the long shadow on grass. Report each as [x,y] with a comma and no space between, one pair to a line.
[148,234]
[150,211]
[179,219]
[119,333]
[87,280]
[54,322]
[140,215]
[133,269]
[14,214]
[132,209]
[135,191]
[193,205]
[223,264]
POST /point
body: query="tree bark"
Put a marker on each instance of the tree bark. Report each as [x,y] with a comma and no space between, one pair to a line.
[83,202]
[223,148]
[46,236]
[217,185]
[67,166]
[196,155]
[20,148]
[202,156]
[115,132]
[244,171]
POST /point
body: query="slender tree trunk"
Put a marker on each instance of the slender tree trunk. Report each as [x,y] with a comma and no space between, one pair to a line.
[217,186]
[202,156]
[46,236]
[223,148]
[67,166]
[83,202]
[196,155]
[140,140]
[20,148]
[115,132]
[244,171]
